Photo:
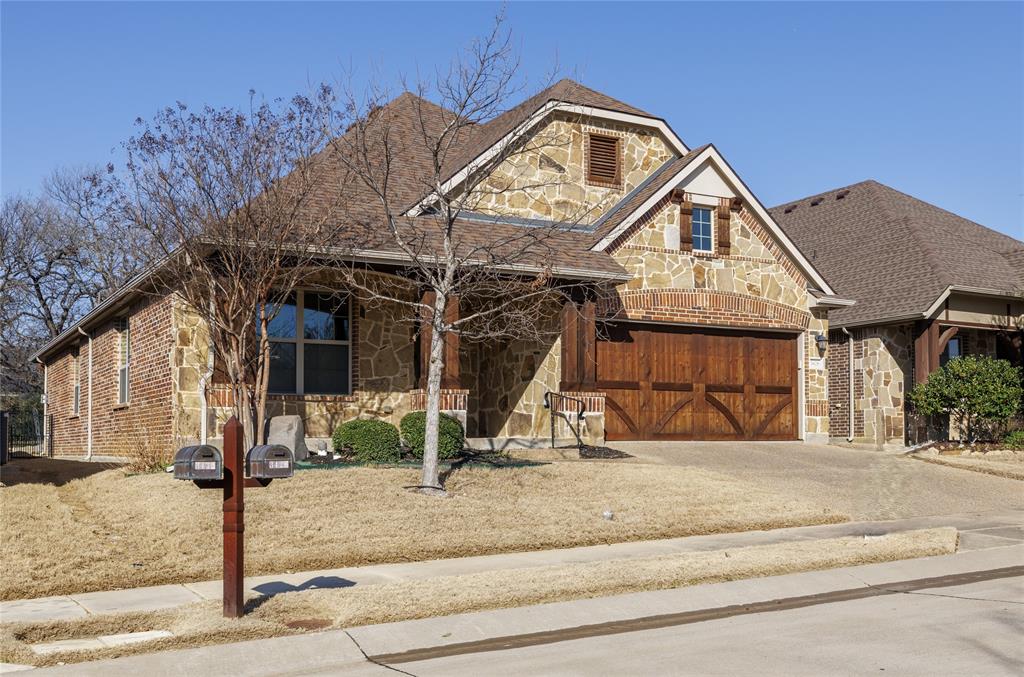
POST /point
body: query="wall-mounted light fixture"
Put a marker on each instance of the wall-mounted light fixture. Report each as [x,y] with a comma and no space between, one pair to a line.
[822,342]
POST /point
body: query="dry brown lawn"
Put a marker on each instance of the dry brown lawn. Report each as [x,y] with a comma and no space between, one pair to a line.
[109,531]
[1011,467]
[200,623]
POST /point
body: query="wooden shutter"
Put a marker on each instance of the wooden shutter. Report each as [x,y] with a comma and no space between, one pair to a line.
[603,162]
[686,226]
[723,226]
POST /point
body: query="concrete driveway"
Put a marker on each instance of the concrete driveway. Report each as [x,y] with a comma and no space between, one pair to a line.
[866,485]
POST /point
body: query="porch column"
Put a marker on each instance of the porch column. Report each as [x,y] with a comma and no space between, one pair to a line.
[451,378]
[927,348]
[450,375]
[588,343]
[570,347]
[579,346]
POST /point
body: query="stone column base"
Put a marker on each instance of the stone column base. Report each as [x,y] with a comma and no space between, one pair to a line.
[591,428]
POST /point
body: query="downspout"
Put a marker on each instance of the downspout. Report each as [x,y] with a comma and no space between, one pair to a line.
[849,360]
[88,444]
[46,405]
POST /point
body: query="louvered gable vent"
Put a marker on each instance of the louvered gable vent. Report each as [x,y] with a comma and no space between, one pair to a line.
[603,165]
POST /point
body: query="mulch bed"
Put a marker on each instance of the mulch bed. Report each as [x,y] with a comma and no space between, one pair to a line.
[587,451]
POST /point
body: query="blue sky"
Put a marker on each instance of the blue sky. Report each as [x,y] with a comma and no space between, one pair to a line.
[799,97]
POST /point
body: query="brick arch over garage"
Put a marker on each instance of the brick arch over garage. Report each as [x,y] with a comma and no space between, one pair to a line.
[707,307]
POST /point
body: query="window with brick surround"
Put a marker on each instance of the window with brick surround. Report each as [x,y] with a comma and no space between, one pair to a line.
[310,345]
[604,159]
[76,379]
[124,353]
[703,227]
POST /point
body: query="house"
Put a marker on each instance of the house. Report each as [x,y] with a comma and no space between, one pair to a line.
[929,285]
[717,329]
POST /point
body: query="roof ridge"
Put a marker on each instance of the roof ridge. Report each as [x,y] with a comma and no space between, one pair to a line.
[865,182]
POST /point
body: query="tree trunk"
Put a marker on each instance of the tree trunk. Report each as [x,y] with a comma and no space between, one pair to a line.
[262,377]
[430,480]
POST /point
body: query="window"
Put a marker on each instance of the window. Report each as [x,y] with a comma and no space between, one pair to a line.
[310,344]
[603,159]
[124,354]
[952,350]
[76,379]
[702,220]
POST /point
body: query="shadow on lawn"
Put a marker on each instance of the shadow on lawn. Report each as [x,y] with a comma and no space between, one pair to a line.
[55,471]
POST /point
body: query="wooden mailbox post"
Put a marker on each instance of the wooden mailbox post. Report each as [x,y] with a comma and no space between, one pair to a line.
[234,483]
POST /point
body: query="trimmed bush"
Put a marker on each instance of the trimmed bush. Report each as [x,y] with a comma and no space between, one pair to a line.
[1014,440]
[371,441]
[972,391]
[451,438]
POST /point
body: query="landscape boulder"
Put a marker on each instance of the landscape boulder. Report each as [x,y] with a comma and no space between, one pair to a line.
[289,431]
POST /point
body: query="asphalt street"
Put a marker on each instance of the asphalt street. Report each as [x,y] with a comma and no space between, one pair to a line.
[973,629]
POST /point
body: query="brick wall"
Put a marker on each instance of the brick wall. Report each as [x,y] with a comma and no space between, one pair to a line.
[117,429]
[839,383]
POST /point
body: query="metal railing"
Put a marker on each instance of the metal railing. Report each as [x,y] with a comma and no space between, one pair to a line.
[551,403]
[26,433]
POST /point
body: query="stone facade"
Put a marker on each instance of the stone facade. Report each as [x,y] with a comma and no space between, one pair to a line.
[753,286]
[383,355]
[546,178]
[883,375]
[511,385]
[653,257]
[886,367]
[816,410]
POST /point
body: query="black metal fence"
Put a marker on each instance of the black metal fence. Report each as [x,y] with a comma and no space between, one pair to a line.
[26,433]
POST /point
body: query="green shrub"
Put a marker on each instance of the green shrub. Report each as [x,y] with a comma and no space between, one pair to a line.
[451,438]
[1014,440]
[971,390]
[371,441]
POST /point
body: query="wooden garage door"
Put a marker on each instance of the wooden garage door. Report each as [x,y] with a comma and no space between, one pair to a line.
[687,384]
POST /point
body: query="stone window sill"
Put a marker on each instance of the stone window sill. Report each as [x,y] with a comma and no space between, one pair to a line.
[121,406]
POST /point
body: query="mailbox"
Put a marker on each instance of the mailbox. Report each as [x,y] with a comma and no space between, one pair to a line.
[200,462]
[269,461]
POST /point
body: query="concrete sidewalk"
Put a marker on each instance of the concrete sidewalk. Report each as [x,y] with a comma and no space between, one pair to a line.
[345,652]
[982,531]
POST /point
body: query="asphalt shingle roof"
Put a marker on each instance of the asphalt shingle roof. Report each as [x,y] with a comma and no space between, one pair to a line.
[894,254]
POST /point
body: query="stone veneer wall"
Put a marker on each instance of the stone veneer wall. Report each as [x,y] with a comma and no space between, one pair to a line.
[653,257]
[382,377]
[547,180]
[884,365]
[817,425]
[510,381]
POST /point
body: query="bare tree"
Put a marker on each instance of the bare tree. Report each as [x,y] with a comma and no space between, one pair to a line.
[500,274]
[233,204]
[62,252]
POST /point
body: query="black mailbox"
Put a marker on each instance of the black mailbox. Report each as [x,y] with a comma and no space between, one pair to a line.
[269,461]
[200,462]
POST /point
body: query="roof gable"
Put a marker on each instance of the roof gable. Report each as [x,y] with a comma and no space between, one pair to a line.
[491,138]
[636,206]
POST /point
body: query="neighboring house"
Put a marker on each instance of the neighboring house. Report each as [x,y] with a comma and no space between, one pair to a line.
[717,329]
[929,285]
